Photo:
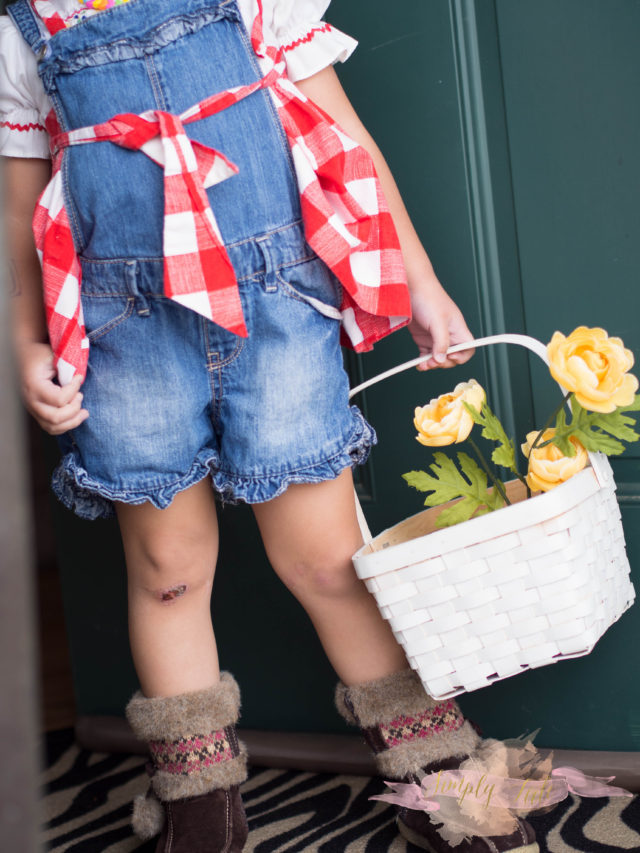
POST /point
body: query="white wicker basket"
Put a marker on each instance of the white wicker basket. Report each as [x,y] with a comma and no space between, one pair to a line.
[528,585]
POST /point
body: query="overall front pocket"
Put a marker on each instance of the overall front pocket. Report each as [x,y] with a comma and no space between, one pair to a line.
[103,313]
[312,282]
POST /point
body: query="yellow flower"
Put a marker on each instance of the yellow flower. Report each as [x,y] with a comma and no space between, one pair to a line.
[445,420]
[593,366]
[547,466]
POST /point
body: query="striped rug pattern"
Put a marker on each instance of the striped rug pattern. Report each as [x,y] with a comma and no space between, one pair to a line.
[87,803]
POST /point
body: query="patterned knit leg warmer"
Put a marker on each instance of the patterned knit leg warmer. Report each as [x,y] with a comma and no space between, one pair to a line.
[405,727]
[197,765]
[413,734]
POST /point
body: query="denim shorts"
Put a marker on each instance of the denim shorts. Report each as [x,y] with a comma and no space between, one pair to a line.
[173,398]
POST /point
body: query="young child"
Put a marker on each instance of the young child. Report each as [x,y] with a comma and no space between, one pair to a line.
[210,235]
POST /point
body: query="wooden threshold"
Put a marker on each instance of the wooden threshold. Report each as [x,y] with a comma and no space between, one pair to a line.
[334,753]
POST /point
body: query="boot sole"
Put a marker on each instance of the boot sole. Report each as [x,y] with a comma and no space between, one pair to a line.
[421,842]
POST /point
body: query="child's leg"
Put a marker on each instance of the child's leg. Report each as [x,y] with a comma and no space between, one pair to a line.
[310,533]
[171,556]
[186,712]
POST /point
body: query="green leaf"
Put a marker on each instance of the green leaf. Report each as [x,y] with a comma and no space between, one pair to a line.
[496,500]
[461,511]
[448,482]
[562,433]
[419,480]
[563,444]
[594,440]
[596,430]
[615,423]
[503,455]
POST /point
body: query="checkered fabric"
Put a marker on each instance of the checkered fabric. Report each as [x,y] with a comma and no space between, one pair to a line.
[47,13]
[189,755]
[346,218]
[197,269]
[445,717]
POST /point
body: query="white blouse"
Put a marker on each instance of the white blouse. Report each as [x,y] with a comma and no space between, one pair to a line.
[310,45]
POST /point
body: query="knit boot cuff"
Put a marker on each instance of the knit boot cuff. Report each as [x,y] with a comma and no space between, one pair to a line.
[375,702]
[410,757]
[173,717]
[169,786]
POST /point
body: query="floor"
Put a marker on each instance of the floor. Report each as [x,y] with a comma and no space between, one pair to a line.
[87,809]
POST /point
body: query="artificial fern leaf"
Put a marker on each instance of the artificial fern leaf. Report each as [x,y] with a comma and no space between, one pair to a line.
[448,482]
[615,423]
[561,441]
[595,430]
[594,440]
[504,453]
[420,480]
[496,500]
[561,435]
[461,511]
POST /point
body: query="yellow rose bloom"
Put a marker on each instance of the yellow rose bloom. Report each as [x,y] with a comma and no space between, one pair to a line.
[445,420]
[547,466]
[593,366]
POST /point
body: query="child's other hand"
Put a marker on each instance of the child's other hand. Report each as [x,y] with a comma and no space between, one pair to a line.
[56,409]
[437,323]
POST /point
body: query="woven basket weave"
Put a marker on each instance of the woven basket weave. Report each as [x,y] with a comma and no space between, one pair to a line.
[522,587]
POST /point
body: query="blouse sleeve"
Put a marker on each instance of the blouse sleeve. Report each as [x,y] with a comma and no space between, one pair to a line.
[23,101]
[309,43]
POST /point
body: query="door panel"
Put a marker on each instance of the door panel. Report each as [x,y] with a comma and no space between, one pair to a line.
[512,128]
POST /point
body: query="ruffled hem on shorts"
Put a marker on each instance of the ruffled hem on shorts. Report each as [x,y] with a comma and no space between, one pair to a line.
[91,499]
[253,490]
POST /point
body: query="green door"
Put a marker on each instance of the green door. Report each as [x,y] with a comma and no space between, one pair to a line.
[513,131]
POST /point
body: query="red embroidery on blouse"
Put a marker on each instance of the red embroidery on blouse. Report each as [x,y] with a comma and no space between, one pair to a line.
[309,37]
[21,127]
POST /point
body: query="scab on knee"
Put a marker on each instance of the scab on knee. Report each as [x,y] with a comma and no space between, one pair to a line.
[168,596]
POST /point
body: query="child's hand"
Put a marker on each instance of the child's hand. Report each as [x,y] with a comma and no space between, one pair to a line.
[437,323]
[56,409]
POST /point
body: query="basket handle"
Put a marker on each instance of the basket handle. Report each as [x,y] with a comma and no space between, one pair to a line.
[536,346]
[523,340]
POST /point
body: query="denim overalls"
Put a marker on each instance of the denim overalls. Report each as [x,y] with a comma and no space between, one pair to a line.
[171,396]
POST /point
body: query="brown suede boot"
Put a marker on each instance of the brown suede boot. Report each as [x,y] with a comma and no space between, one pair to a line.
[413,734]
[197,765]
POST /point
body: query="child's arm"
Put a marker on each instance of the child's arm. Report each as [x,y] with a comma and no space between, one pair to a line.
[56,409]
[437,322]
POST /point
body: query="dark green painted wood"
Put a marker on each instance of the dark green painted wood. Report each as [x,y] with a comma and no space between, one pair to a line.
[508,127]
[570,74]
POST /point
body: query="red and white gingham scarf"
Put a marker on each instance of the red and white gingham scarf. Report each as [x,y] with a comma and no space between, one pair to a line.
[346,218]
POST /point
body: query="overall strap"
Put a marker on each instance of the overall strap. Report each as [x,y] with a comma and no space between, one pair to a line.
[25,18]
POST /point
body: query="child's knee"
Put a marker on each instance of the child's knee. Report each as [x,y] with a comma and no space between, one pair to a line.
[168,596]
[171,568]
[321,577]
[186,587]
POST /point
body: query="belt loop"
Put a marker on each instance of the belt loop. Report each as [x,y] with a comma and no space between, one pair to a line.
[131,270]
[270,280]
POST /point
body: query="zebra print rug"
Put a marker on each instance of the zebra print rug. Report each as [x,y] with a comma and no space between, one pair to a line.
[87,801]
